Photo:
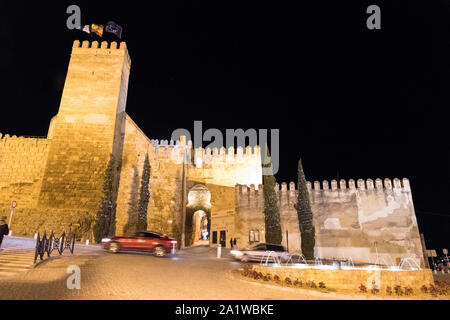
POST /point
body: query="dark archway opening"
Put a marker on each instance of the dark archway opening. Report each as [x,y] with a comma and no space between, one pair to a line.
[198,216]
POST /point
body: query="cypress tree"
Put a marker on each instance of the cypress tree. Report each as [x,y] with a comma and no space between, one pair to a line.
[305,216]
[107,207]
[144,196]
[271,211]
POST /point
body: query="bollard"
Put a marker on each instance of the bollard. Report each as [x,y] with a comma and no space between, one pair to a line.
[10,233]
[435,271]
[87,242]
[173,251]
[35,236]
[442,271]
[219,251]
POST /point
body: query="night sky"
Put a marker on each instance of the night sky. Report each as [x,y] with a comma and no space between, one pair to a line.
[351,102]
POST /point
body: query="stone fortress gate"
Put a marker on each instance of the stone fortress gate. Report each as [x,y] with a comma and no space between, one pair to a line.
[213,194]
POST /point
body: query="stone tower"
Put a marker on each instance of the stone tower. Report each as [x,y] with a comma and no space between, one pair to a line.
[88,128]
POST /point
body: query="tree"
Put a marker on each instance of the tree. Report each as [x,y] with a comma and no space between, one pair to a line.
[305,216]
[144,196]
[107,208]
[271,211]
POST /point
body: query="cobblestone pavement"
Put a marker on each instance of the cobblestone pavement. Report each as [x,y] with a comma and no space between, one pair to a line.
[192,274]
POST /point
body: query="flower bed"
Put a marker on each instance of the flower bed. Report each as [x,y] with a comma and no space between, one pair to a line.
[369,282]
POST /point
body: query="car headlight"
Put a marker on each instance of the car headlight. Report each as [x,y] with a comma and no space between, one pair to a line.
[106,240]
[236,253]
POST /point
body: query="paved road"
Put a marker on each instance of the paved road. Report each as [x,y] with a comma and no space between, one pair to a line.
[192,274]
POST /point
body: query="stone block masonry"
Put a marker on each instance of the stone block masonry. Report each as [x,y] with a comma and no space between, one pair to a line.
[365,221]
[58,181]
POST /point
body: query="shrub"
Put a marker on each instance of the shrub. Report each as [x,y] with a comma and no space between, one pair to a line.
[442,287]
[313,284]
[409,291]
[424,289]
[362,288]
[276,278]
[433,290]
[375,290]
[267,277]
[398,290]
[247,270]
[298,283]
[287,280]
[322,285]
[388,290]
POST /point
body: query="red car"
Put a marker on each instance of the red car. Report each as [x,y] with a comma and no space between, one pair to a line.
[154,242]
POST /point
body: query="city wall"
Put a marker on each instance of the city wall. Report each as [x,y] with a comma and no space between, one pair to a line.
[366,221]
[22,165]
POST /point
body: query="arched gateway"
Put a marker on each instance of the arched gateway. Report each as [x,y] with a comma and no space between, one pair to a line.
[198,215]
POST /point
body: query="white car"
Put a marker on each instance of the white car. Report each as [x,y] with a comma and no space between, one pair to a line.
[262,252]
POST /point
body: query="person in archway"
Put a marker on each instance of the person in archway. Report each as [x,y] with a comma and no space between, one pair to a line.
[231,243]
[234,243]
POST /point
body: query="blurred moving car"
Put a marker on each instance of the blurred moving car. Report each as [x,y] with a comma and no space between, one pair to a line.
[262,251]
[154,242]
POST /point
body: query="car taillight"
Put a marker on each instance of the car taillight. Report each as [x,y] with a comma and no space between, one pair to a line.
[173,241]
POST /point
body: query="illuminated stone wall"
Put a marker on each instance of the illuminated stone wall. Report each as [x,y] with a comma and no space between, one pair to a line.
[58,181]
[165,207]
[22,164]
[218,170]
[362,221]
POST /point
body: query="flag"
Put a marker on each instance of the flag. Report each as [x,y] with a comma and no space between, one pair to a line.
[97,29]
[114,28]
[87,29]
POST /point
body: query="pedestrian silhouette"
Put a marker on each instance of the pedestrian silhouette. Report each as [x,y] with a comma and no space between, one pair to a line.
[4,230]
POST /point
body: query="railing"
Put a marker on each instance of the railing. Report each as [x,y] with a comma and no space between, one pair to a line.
[48,245]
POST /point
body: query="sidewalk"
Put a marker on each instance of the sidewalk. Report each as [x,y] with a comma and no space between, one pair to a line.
[17,255]
[11,242]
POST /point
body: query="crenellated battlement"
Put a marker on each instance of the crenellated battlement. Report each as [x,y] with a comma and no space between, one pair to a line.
[104,45]
[360,184]
[18,141]
[205,156]
[165,149]
[319,192]
[202,156]
[103,48]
